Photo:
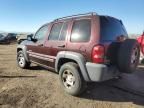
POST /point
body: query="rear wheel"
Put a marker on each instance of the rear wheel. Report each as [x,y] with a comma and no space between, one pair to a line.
[71,79]
[21,61]
[128,56]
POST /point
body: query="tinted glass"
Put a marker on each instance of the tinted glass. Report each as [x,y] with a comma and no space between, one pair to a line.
[55,31]
[81,31]
[41,33]
[63,31]
[1,36]
[111,28]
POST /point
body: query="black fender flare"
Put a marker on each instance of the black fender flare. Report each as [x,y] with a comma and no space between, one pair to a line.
[79,58]
[24,49]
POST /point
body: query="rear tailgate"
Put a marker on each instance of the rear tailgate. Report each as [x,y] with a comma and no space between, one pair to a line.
[112,33]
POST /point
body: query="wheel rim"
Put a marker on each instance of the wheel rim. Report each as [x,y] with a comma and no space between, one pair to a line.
[21,60]
[68,79]
[134,55]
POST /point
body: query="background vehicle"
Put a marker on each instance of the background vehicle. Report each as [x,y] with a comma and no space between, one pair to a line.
[8,38]
[140,40]
[1,35]
[81,48]
[22,37]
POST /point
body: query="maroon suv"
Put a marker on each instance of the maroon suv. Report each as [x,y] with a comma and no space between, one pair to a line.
[81,48]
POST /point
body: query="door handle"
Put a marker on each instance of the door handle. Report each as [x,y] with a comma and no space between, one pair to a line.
[62,46]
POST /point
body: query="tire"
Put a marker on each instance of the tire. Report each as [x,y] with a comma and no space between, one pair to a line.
[76,85]
[128,56]
[21,61]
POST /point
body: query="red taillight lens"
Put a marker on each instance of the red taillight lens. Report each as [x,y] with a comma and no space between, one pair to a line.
[98,54]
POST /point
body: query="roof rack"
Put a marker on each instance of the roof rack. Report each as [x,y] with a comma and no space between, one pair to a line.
[78,15]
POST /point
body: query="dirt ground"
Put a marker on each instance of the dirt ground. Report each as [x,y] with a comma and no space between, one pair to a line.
[40,88]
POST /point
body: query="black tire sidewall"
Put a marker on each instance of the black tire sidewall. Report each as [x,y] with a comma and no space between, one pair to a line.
[76,90]
[124,56]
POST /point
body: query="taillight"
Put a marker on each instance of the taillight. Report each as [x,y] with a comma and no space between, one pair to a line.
[98,54]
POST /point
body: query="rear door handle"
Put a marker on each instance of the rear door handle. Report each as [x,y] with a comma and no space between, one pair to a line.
[62,46]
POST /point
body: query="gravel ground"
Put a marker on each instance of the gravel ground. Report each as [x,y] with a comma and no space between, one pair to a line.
[40,88]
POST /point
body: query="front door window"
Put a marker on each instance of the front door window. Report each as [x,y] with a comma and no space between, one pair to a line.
[41,33]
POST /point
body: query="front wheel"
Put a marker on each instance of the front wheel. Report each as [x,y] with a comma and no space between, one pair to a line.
[21,61]
[71,79]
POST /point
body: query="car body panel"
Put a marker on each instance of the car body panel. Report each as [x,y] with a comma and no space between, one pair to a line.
[49,49]
[49,52]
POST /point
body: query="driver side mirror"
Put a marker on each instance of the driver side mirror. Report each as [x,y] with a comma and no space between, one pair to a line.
[30,38]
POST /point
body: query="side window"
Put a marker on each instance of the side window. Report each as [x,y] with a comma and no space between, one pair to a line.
[63,32]
[81,31]
[55,31]
[41,33]
[58,31]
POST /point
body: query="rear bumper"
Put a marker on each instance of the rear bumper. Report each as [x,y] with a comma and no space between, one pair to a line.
[100,72]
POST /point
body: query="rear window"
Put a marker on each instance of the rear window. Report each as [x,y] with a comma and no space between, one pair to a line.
[111,28]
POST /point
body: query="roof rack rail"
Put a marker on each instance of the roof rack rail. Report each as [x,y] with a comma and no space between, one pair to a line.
[78,15]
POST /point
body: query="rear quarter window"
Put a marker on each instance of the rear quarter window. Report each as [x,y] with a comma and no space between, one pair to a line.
[81,30]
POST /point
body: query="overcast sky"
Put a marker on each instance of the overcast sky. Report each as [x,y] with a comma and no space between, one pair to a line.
[29,15]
